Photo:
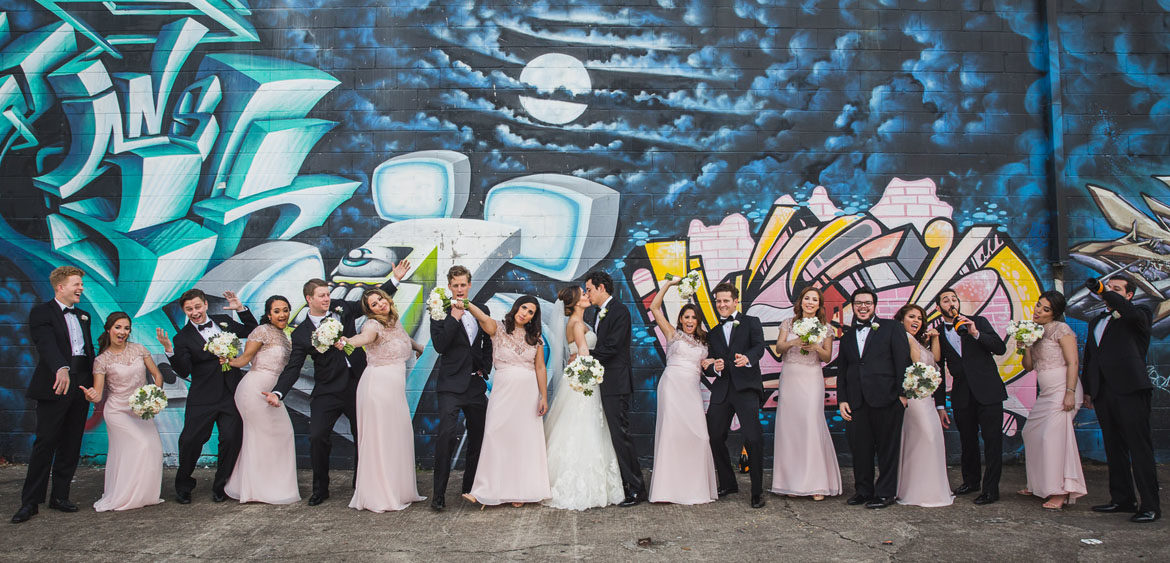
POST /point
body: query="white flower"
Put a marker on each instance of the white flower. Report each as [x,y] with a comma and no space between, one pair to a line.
[601,315]
[438,302]
[222,325]
[921,381]
[1116,314]
[339,309]
[1026,333]
[584,374]
[84,317]
[689,285]
[224,345]
[810,330]
[147,401]
[327,334]
[874,325]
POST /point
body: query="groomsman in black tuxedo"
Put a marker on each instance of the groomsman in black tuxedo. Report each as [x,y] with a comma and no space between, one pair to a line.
[465,360]
[614,333]
[60,333]
[969,347]
[1118,387]
[872,361]
[737,346]
[211,400]
[335,375]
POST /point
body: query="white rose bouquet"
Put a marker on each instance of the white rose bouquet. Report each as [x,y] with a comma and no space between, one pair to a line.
[584,374]
[1026,333]
[439,302]
[921,381]
[327,334]
[810,330]
[147,401]
[224,345]
[689,286]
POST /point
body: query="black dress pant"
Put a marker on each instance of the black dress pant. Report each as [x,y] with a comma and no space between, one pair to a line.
[745,404]
[473,403]
[57,447]
[875,431]
[324,410]
[1129,451]
[198,423]
[617,416]
[974,421]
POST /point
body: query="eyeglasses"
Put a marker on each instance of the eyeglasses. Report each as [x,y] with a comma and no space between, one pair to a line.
[863,303]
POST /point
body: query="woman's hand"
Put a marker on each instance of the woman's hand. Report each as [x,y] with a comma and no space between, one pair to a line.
[706,363]
[930,334]
[92,395]
[542,407]
[340,344]
[904,400]
[1070,400]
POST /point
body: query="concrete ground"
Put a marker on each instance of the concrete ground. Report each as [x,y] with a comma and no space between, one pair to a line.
[1016,528]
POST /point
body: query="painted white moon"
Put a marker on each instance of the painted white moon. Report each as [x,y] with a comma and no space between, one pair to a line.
[547,73]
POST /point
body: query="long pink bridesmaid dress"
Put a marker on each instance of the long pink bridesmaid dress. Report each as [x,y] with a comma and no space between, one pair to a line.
[1051,457]
[922,465]
[684,470]
[134,459]
[386,477]
[513,462]
[805,462]
[266,470]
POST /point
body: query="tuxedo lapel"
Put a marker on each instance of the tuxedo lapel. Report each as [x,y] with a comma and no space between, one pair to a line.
[851,337]
[60,327]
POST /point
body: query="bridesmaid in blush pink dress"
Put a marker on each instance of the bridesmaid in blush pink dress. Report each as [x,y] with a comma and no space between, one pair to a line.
[684,469]
[385,477]
[1051,457]
[513,462]
[805,462]
[134,458]
[922,465]
[266,470]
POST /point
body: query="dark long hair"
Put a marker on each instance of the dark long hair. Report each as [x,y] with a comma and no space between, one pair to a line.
[268,308]
[700,334]
[901,314]
[532,329]
[104,339]
[1057,301]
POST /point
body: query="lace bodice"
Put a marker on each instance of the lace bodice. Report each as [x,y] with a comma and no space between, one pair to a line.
[275,348]
[510,350]
[925,354]
[391,345]
[125,371]
[1046,352]
[590,341]
[684,351]
[793,354]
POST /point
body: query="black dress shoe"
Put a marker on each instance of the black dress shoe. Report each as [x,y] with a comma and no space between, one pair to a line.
[986,498]
[63,505]
[631,500]
[183,498]
[438,504]
[724,492]
[318,498]
[758,501]
[27,511]
[1114,507]
[858,499]
[965,488]
[880,502]
[218,496]
[1146,516]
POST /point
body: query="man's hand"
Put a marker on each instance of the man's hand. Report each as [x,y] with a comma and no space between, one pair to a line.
[974,332]
[233,301]
[741,360]
[719,364]
[943,418]
[61,384]
[1088,404]
[163,339]
[273,400]
[400,269]
[845,412]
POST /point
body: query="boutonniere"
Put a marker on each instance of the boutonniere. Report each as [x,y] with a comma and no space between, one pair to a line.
[338,309]
[84,317]
[874,326]
[223,325]
[1116,314]
[735,323]
[601,315]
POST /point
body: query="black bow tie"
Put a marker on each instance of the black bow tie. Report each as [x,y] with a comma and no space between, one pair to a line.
[727,319]
[864,324]
[205,325]
[69,311]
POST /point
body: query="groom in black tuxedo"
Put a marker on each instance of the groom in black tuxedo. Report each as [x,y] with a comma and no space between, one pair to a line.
[211,398]
[871,364]
[1118,387]
[465,360]
[737,346]
[60,333]
[335,375]
[614,333]
[969,347]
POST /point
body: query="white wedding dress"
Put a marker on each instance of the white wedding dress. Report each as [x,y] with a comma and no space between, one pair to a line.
[582,468]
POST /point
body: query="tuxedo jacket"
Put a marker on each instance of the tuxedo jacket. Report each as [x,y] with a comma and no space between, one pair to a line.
[209,383]
[1119,361]
[462,363]
[747,338]
[50,336]
[874,374]
[331,374]
[976,369]
[614,333]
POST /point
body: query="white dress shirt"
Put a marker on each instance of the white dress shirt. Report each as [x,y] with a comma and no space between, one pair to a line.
[1099,331]
[954,338]
[470,326]
[862,334]
[604,306]
[76,337]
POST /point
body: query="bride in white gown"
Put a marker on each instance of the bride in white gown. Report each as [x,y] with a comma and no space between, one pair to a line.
[582,468]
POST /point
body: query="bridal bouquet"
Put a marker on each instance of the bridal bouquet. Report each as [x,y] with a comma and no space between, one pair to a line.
[689,286]
[810,330]
[921,381]
[224,345]
[584,374]
[438,302]
[1026,333]
[147,401]
[327,334]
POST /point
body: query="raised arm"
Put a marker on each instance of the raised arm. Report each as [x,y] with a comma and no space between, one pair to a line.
[486,323]
[367,336]
[1137,317]
[914,357]
[656,309]
[988,337]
